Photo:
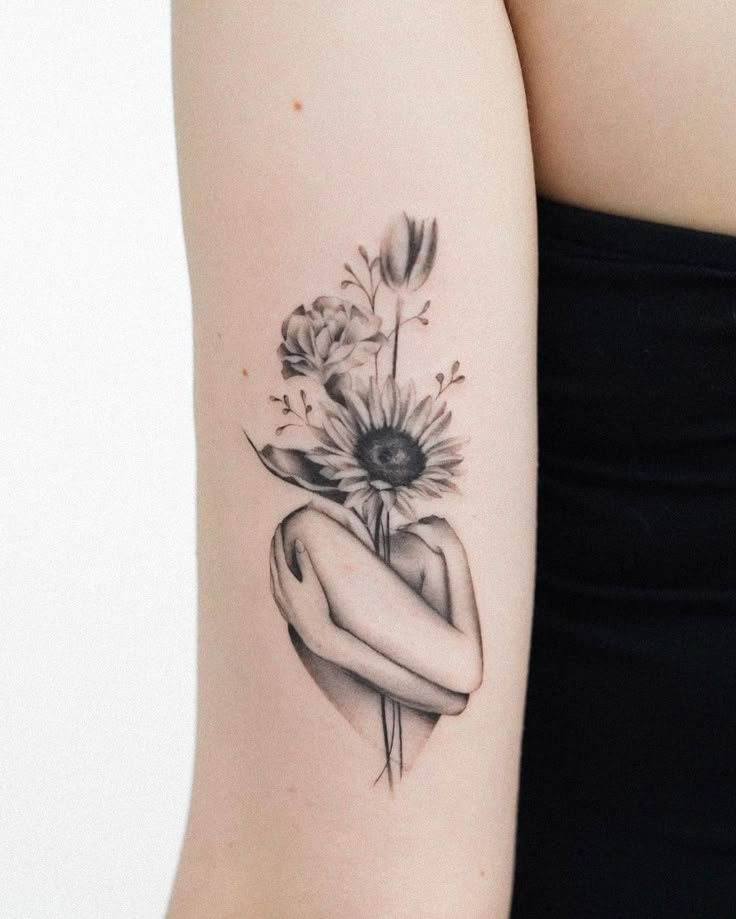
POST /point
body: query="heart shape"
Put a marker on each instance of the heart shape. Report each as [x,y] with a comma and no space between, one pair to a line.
[362,705]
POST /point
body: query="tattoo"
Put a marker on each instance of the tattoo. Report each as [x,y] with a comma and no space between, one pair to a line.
[380,605]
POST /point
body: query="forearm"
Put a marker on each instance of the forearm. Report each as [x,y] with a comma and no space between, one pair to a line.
[303,128]
[346,651]
[374,604]
[318,631]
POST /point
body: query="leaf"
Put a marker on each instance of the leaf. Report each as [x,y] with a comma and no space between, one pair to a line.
[295,467]
[423,320]
[459,379]
[345,284]
[455,367]
[274,399]
[285,400]
[440,378]
[285,411]
[424,309]
[364,254]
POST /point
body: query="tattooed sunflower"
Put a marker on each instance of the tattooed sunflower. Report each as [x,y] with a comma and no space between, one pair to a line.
[385,447]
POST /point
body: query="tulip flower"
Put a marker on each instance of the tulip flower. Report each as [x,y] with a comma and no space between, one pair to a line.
[407,253]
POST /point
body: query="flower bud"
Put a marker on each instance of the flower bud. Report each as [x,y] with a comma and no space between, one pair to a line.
[407,253]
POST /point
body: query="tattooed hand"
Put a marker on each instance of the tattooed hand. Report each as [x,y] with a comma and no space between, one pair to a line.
[300,599]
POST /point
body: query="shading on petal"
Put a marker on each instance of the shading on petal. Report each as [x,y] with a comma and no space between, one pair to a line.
[295,467]
[323,341]
[382,445]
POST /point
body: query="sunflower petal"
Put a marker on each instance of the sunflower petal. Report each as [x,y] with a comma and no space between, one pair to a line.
[358,499]
[352,485]
[406,400]
[380,485]
[374,405]
[438,425]
[449,443]
[403,505]
[338,433]
[356,405]
[446,458]
[389,400]
[417,421]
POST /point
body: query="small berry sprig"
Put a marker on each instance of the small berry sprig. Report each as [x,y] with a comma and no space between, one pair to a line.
[288,409]
[445,383]
[418,317]
[373,283]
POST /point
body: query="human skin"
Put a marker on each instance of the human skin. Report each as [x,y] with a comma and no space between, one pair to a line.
[372,602]
[302,128]
[633,106]
[401,105]
[329,607]
[356,642]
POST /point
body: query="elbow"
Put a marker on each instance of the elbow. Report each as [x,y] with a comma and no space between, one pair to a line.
[465,681]
[469,677]
[475,675]
[455,704]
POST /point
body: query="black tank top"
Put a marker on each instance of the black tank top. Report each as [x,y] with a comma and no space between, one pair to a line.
[628,788]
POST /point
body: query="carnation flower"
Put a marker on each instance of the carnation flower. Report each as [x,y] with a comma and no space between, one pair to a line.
[384,448]
[329,339]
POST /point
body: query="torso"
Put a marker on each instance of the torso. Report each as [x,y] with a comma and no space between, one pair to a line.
[633,106]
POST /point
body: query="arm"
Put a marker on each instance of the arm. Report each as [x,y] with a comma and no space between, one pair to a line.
[442,539]
[304,605]
[302,128]
[373,603]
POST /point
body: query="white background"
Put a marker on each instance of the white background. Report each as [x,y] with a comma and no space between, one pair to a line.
[97,606]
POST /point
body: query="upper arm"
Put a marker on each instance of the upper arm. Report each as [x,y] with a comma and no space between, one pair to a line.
[303,127]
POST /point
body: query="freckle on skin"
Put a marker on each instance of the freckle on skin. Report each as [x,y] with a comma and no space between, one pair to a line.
[296,105]
[245,372]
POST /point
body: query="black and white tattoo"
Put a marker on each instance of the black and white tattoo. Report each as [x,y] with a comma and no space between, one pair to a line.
[380,606]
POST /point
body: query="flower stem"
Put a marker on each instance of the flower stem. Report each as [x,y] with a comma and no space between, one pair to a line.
[396,729]
[401,739]
[382,543]
[386,746]
[377,536]
[397,327]
[387,540]
[379,544]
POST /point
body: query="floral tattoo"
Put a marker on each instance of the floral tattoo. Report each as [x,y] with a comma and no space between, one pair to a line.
[380,605]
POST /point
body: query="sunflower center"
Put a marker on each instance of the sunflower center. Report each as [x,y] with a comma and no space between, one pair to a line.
[391,456]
